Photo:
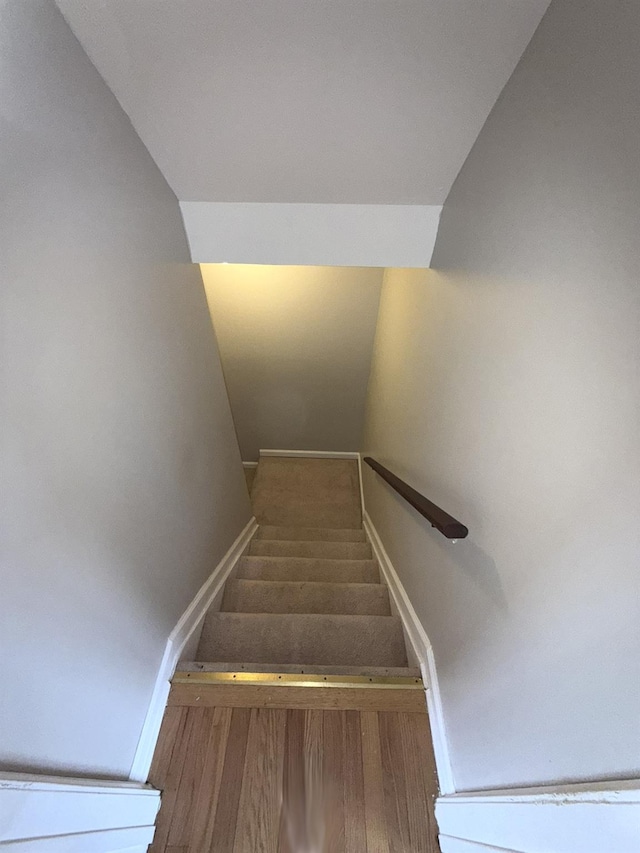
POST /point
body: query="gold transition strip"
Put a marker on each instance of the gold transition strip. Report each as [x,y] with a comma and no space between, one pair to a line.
[286,679]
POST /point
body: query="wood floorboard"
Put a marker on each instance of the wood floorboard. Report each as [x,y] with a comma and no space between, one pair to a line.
[355,829]
[394,785]
[207,798]
[224,828]
[377,832]
[292,833]
[333,725]
[169,786]
[271,780]
[191,779]
[261,795]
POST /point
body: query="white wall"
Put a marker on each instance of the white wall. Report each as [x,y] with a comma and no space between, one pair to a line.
[340,103]
[296,347]
[122,483]
[505,387]
[357,235]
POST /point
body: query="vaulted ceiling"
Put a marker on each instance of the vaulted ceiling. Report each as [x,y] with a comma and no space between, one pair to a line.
[323,101]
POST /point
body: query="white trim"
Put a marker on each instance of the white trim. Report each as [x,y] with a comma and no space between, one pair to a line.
[190,622]
[249,464]
[595,817]
[343,235]
[422,647]
[361,485]
[54,814]
[313,454]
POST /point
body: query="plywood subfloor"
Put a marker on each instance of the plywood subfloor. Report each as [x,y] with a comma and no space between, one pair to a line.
[241,780]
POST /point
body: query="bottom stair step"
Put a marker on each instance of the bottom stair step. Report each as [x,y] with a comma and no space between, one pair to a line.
[303,638]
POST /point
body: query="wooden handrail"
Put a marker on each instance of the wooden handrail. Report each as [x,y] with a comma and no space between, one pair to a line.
[441,520]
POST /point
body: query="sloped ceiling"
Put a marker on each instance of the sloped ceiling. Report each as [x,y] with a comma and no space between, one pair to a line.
[319,101]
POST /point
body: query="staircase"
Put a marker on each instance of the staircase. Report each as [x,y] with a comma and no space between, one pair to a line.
[307,596]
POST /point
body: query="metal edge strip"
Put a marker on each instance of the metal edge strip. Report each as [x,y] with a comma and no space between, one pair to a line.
[275,679]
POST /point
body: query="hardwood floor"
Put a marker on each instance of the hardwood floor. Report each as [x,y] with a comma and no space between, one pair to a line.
[275,780]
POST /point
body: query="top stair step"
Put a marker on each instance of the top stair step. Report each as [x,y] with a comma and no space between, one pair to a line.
[326,550]
[311,534]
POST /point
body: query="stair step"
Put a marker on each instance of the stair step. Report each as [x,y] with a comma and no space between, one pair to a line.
[311,534]
[303,638]
[331,550]
[301,669]
[307,492]
[258,596]
[308,569]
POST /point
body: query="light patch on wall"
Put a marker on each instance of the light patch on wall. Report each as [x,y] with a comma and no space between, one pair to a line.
[296,344]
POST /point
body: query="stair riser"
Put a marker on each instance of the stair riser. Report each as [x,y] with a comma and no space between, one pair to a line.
[310,534]
[304,569]
[245,596]
[328,550]
[324,640]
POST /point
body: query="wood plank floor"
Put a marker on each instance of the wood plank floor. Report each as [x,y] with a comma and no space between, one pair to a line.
[273,780]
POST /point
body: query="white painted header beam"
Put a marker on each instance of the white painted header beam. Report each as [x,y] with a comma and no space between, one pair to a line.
[358,235]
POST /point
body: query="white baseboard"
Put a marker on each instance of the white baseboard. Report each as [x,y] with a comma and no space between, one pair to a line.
[249,465]
[422,647]
[598,817]
[313,454]
[189,624]
[361,485]
[50,814]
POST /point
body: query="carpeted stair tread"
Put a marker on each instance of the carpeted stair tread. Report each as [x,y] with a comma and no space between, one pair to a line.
[258,596]
[307,492]
[303,638]
[311,534]
[330,550]
[302,669]
[308,569]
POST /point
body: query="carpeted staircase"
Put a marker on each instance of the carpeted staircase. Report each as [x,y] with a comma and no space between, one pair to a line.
[307,596]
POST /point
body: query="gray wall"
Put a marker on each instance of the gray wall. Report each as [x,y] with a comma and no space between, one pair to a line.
[122,484]
[296,346]
[505,387]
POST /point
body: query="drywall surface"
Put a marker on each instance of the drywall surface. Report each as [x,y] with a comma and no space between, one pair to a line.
[355,102]
[121,478]
[296,348]
[359,235]
[505,387]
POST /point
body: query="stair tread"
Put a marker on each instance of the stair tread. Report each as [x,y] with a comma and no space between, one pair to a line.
[263,596]
[303,638]
[307,492]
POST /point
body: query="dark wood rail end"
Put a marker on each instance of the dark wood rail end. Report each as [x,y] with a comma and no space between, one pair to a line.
[441,520]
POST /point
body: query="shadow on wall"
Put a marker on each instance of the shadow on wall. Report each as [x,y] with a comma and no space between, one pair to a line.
[463,554]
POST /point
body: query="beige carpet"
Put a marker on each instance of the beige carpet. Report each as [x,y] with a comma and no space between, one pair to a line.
[307,493]
[308,590]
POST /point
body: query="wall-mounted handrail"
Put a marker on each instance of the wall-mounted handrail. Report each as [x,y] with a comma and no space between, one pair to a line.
[441,520]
